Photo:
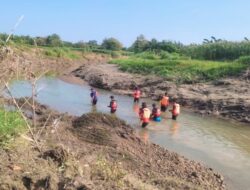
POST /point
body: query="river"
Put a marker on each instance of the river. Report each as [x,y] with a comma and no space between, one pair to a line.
[219,144]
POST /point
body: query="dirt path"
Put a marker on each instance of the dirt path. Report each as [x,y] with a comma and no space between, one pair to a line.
[96,151]
[228,98]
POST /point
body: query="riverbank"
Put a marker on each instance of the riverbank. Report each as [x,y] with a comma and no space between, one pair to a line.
[95,151]
[23,62]
[226,98]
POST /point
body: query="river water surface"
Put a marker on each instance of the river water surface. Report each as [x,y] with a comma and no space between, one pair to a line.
[219,144]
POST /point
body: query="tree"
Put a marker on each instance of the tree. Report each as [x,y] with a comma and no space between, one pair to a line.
[140,44]
[153,45]
[111,44]
[54,40]
[93,44]
[41,41]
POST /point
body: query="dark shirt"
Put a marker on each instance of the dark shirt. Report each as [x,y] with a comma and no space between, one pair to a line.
[93,95]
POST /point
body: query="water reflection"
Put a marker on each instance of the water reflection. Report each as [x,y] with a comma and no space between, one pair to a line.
[136,109]
[174,128]
[144,134]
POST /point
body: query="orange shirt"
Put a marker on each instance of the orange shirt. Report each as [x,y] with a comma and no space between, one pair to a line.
[165,101]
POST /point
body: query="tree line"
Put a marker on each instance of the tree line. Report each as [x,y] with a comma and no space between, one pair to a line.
[55,40]
[209,49]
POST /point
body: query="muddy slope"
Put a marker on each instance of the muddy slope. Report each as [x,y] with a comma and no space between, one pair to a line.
[95,151]
[228,98]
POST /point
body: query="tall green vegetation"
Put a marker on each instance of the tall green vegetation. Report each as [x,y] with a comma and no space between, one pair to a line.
[210,49]
[142,44]
[217,49]
[11,124]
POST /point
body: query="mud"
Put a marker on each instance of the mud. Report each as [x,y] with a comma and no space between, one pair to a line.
[95,151]
[227,98]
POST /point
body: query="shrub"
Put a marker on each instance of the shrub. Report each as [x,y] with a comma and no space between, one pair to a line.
[244,60]
[115,54]
[147,55]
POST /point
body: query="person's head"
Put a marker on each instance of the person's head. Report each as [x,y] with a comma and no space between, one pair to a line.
[153,105]
[91,89]
[136,88]
[166,93]
[112,97]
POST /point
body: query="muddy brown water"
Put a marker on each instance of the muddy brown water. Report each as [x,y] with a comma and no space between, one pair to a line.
[221,145]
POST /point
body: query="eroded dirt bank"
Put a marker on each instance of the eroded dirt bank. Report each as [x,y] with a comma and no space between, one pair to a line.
[95,151]
[21,62]
[228,98]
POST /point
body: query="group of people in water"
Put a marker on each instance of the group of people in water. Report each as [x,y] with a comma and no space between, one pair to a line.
[145,113]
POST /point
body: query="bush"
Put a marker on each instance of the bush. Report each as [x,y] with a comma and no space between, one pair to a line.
[115,54]
[171,56]
[147,55]
[244,60]
[111,44]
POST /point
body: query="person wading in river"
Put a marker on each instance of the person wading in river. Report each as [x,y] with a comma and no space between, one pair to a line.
[175,110]
[144,114]
[137,95]
[93,95]
[164,102]
[156,113]
[113,105]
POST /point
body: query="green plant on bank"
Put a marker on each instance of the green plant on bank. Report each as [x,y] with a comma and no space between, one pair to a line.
[11,124]
[60,52]
[180,70]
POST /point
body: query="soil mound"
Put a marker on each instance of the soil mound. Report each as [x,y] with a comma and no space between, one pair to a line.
[97,151]
[99,129]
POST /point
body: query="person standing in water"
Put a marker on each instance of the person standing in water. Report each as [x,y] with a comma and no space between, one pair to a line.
[113,105]
[144,115]
[156,113]
[164,102]
[93,95]
[175,110]
[137,95]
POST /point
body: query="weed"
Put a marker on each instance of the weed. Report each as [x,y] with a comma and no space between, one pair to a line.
[11,124]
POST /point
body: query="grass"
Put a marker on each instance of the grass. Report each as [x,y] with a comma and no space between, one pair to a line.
[61,52]
[180,70]
[11,124]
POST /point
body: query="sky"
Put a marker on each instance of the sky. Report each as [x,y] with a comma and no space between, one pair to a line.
[186,21]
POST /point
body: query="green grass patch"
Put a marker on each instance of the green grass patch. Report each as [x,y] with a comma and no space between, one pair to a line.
[11,124]
[61,52]
[180,70]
